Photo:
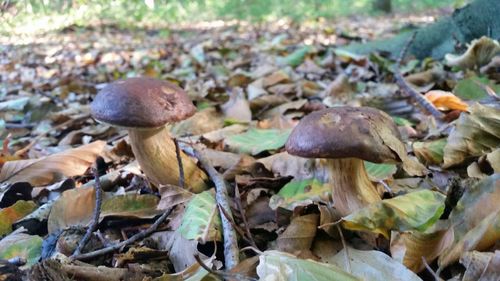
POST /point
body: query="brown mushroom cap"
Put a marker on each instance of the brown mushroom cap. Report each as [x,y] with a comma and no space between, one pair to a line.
[141,103]
[344,132]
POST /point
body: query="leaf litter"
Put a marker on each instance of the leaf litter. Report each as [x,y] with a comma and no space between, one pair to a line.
[251,85]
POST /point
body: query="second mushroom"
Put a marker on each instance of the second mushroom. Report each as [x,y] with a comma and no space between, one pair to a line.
[344,137]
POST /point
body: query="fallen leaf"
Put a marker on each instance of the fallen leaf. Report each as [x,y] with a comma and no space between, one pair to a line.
[479,53]
[413,211]
[19,244]
[373,265]
[300,193]
[201,219]
[430,152]
[275,265]
[445,100]
[54,167]
[299,234]
[13,213]
[475,134]
[254,141]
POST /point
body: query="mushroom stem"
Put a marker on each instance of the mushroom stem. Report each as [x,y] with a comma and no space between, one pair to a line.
[154,149]
[351,187]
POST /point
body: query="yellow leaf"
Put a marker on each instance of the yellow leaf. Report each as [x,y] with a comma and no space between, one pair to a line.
[446,100]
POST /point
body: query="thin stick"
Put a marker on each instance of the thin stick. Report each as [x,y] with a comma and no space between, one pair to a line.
[96,214]
[231,252]
[236,227]
[124,243]
[403,85]
[179,162]
[348,261]
[427,266]
[237,197]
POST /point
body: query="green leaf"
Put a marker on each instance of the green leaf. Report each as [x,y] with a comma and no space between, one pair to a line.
[373,266]
[295,58]
[470,88]
[201,220]
[378,172]
[13,213]
[413,211]
[130,205]
[254,141]
[300,193]
[22,245]
[430,152]
[400,121]
[275,265]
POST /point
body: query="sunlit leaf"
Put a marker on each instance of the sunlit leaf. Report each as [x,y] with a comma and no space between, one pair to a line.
[22,245]
[430,152]
[414,211]
[378,172]
[254,141]
[300,193]
[445,100]
[373,265]
[13,213]
[130,205]
[201,220]
[275,265]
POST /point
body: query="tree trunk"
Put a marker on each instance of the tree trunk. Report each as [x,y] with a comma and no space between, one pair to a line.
[382,5]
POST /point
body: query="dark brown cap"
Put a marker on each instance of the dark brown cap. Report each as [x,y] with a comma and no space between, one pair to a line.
[344,132]
[141,103]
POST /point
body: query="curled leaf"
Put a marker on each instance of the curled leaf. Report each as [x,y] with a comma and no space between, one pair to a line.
[475,134]
[446,100]
[479,53]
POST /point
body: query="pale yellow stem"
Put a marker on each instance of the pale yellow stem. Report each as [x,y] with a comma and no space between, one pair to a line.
[154,149]
[351,187]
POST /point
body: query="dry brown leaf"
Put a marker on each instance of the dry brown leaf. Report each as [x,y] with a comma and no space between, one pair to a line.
[54,167]
[74,207]
[299,235]
[409,248]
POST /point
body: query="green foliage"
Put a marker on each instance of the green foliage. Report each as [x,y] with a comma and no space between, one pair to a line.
[132,13]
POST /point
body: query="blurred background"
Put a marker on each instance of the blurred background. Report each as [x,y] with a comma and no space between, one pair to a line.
[29,16]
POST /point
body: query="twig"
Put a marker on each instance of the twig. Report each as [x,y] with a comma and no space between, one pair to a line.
[427,266]
[403,85]
[235,226]
[231,252]
[95,217]
[124,243]
[237,197]
[221,275]
[348,261]
[179,162]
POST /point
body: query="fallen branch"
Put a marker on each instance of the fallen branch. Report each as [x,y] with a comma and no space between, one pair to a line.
[231,252]
[95,217]
[124,243]
[403,85]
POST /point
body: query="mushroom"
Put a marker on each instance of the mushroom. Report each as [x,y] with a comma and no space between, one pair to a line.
[344,137]
[144,106]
